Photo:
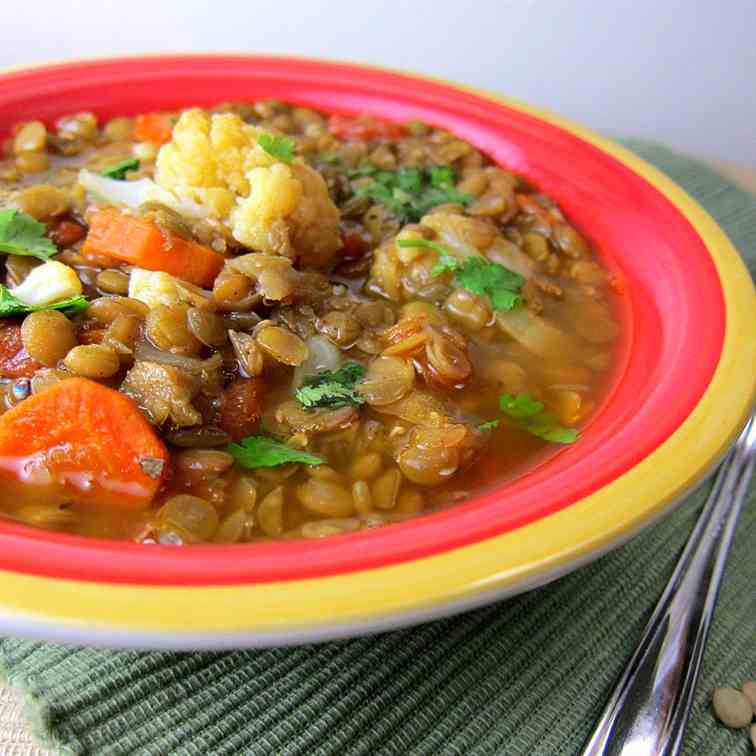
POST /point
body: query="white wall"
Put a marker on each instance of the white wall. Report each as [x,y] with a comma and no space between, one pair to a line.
[681,71]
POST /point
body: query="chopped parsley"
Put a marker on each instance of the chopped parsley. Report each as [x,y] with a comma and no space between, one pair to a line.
[332,388]
[11,305]
[410,192]
[476,274]
[20,234]
[530,415]
[261,451]
[119,170]
[279,147]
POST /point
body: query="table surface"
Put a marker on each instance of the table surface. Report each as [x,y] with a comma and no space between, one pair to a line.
[15,735]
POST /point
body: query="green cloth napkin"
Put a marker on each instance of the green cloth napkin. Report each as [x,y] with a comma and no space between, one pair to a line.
[524,677]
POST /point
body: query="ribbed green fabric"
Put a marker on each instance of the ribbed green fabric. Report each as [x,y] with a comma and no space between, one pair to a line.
[525,677]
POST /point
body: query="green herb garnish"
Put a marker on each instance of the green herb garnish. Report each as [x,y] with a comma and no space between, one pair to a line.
[410,192]
[12,305]
[279,147]
[488,425]
[364,170]
[476,274]
[20,234]
[446,261]
[530,415]
[119,170]
[332,388]
[442,177]
[501,285]
[261,451]
[331,158]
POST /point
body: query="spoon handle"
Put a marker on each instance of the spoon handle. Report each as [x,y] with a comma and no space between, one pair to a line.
[650,705]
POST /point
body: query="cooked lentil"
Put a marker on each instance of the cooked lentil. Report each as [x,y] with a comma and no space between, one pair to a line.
[732,707]
[311,279]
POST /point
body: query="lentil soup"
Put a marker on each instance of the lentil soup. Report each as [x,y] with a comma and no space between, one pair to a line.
[259,321]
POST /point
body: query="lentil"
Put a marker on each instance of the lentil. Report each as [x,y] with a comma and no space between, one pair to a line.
[732,707]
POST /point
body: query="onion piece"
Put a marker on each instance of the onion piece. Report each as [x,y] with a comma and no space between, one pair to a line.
[536,334]
[146,352]
[323,355]
[509,255]
[132,194]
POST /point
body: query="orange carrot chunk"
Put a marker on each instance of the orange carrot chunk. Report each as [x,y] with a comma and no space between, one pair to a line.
[79,441]
[156,128]
[142,243]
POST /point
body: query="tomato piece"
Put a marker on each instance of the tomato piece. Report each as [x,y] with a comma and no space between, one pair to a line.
[15,361]
[242,407]
[364,128]
[67,233]
[354,245]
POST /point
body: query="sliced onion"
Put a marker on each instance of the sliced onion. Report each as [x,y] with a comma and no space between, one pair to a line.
[127,193]
[536,334]
[132,194]
[323,355]
[509,255]
[146,352]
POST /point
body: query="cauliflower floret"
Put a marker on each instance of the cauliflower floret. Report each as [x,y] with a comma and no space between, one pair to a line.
[47,284]
[267,205]
[154,287]
[274,194]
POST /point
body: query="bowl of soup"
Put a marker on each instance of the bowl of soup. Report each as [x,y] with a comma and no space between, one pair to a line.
[294,349]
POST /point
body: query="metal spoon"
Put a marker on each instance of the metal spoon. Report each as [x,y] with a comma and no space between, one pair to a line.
[650,706]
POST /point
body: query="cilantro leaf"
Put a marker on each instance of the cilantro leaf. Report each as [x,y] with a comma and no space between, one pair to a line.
[433,197]
[427,243]
[522,405]
[11,305]
[446,261]
[442,177]
[410,180]
[119,170]
[529,415]
[410,192]
[279,147]
[501,285]
[476,274]
[327,394]
[364,170]
[261,451]
[332,388]
[20,234]
[488,425]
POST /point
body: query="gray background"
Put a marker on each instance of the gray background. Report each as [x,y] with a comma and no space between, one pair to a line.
[681,71]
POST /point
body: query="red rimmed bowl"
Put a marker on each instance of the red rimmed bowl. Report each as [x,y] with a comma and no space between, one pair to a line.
[681,391]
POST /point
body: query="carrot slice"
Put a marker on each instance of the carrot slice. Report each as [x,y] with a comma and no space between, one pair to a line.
[142,243]
[79,440]
[156,128]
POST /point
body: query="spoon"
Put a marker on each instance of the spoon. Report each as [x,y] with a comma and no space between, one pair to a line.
[650,705]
